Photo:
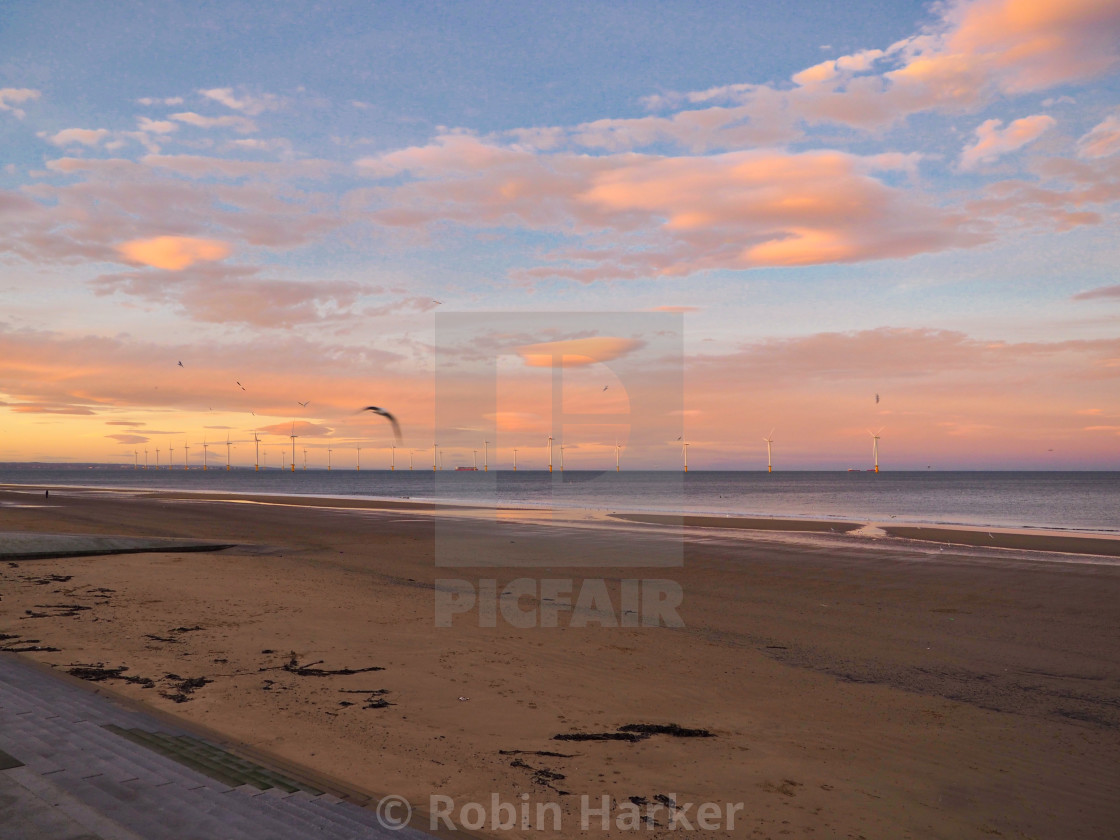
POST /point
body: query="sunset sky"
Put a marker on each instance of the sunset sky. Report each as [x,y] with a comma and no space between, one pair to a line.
[833,201]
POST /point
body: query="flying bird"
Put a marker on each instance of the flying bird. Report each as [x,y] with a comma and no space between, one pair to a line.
[387,416]
[304,404]
[180,364]
[239,385]
[876,399]
[605,387]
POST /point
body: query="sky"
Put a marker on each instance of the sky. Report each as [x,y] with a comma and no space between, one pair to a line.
[808,221]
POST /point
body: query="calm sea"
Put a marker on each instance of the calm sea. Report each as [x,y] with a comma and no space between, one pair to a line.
[1068,500]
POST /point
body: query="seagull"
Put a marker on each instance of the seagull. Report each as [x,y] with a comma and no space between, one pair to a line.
[437,302]
[180,364]
[387,416]
[876,399]
[605,387]
[304,404]
[242,387]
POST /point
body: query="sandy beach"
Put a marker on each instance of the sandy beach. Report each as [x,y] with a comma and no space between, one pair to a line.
[887,685]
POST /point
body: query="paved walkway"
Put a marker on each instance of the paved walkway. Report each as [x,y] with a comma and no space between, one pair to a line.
[75,765]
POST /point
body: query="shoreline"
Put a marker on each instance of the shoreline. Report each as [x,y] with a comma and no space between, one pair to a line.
[1025,538]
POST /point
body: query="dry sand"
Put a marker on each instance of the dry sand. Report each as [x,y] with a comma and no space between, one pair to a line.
[880,688]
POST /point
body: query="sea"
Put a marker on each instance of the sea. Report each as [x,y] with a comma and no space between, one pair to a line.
[1074,501]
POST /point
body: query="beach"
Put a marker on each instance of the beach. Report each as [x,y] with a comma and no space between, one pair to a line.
[882,684]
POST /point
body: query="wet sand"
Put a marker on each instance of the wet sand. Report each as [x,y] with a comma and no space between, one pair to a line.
[852,685]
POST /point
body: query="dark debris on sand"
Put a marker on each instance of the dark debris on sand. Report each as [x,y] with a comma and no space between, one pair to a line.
[183,688]
[99,673]
[309,670]
[633,732]
[542,776]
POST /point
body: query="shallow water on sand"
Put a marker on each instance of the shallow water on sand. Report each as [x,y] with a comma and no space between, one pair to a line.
[1062,500]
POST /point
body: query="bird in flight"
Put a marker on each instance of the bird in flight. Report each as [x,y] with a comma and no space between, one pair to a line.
[876,399]
[304,404]
[387,416]
[180,364]
[239,385]
[605,387]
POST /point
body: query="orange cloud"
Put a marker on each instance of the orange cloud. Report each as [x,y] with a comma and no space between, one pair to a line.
[577,352]
[173,253]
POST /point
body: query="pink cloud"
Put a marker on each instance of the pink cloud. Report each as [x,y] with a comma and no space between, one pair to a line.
[82,136]
[1103,140]
[577,352]
[242,125]
[992,141]
[11,97]
[1104,292]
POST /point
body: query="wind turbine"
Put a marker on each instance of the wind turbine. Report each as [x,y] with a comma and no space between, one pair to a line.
[769,440]
[435,456]
[875,446]
[550,453]
[135,459]
[157,460]
[186,456]
[257,441]
[515,460]
[561,457]
[205,453]
[617,451]
[475,455]
[359,461]
[293,436]
[170,457]
[329,460]
[684,449]
[305,459]
[227,451]
[393,459]
[145,459]
[486,456]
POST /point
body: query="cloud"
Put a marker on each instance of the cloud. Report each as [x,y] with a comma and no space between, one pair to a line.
[301,428]
[993,141]
[1103,140]
[83,136]
[236,294]
[675,309]
[156,126]
[672,215]
[971,54]
[241,125]
[173,253]
[1104,292]
[47,408]
[129,439]
[11,97]
[577,352]
[251,105]
[169,100]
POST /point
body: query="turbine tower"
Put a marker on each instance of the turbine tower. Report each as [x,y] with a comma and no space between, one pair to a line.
[305,459]
[875,447]
[329,460]
[684,449]
[617,451]
[769,440]
[550,453]
[561,457]
[393,459]
[145,459]
[515,460]
[435,455]
[186,456]
[205,453]
[486,456]
[228,444]
[157,460]
[358,462]
[135,459]
[170,457]
[257,463]
[293,436]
